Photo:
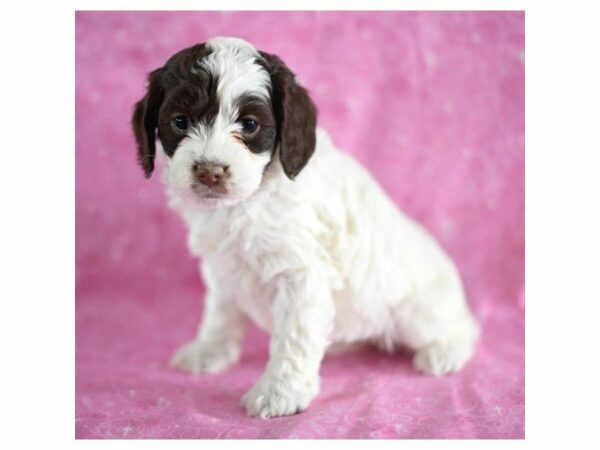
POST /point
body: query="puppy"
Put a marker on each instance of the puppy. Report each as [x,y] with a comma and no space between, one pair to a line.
[293,233]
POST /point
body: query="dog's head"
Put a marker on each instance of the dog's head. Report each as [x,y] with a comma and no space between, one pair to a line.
[223,112]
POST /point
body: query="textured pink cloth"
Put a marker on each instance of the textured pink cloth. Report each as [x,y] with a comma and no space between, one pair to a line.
[431,103]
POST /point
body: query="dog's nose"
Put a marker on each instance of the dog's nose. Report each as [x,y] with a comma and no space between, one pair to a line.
[210,174]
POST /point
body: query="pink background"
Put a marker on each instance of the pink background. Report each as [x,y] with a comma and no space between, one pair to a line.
[432,103]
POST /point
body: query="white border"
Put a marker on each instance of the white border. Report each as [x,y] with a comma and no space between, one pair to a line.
[563,224]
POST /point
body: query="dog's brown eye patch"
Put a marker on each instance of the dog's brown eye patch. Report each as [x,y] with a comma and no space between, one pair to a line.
[257,124]
[256,109]
[190,98]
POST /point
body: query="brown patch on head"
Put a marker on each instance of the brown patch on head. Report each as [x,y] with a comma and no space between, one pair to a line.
[295,114]
[181,87]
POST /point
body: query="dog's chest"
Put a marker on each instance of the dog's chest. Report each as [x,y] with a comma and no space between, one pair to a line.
[244,253]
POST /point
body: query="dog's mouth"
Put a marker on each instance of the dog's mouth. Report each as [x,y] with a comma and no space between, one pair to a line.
[213,197]
[210,192]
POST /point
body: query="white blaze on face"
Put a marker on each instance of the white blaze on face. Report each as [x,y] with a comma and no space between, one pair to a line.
[232,63]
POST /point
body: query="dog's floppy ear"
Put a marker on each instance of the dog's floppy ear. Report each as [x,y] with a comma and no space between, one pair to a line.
[145,121]
[296,116]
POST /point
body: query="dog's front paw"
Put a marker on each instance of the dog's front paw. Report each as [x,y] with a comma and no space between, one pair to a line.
[440,358]
[198,357]
[273,397]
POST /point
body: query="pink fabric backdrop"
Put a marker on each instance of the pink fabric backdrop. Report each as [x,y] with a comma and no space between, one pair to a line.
[432,103]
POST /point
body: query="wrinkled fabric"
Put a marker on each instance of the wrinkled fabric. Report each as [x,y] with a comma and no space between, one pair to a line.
[431,103]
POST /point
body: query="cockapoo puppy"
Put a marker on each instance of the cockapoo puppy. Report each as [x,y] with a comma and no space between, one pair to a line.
[293,233]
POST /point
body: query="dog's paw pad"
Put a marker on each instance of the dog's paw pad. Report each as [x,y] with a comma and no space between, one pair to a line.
[196,357]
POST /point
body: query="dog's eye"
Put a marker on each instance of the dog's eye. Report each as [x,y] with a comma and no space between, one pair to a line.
[249,125]
[180,123]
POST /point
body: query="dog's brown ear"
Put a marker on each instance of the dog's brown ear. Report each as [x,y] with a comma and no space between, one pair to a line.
[145,121]
[296,116]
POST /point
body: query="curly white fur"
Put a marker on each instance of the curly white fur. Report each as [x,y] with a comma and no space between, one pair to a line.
[324,259]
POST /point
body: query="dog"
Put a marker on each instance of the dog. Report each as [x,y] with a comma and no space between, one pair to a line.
[293,233]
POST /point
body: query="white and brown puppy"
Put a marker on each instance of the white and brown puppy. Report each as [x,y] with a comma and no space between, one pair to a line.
[293,233]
